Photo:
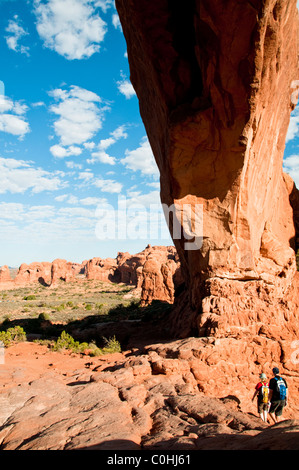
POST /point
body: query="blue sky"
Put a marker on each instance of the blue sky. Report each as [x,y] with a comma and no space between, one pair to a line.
[71,138]
[73,147]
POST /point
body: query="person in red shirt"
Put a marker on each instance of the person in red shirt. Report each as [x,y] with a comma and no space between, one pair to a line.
[262,393]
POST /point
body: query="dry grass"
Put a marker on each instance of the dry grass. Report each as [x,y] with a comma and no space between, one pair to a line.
[64,303]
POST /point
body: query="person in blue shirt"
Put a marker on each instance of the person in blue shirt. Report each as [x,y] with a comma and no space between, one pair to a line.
[277,395]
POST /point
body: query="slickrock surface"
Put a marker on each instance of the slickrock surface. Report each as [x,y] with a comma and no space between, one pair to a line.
[188,394]
[214,80]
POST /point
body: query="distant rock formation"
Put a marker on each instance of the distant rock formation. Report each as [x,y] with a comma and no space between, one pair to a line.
[33,272]
[155,272]
[215,82]
[101,269]
[64,270]
[5,274]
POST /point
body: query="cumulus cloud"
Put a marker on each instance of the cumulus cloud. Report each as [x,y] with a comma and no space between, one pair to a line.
[103,157]
[125,87]
[100,154]
[79,114]
[60,152]
[108,186]
[72,28]
[291,166]
[12,119]
[18,176]
[116,22]
[86,175]
[15,33]
[141,159]
[293,130]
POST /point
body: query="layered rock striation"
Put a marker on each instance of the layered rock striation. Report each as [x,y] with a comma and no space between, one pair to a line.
[215,82]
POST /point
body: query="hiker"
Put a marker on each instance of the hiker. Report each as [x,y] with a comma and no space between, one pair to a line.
[262,393]
[278,395]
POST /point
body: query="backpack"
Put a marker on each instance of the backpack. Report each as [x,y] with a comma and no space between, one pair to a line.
[281,389]
[264,392]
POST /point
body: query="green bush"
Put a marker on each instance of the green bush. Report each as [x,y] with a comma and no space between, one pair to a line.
[44,316]
[66,341]
[15,334]
[30,297]
[112,346]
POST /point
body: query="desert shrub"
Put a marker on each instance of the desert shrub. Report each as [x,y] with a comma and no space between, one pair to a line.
[88,307]
[111,346]
[44,316]
[30,297]
[66,341]
[15,334]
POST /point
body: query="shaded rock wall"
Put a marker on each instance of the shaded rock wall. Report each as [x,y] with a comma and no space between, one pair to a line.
[214,79]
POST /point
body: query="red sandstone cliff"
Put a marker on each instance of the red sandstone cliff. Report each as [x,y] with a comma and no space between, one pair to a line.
[214,82]
[5,274]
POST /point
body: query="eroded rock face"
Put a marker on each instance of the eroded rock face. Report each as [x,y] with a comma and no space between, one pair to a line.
[214,81]
[33,272]
[64,270]
[100,269]
[5,274]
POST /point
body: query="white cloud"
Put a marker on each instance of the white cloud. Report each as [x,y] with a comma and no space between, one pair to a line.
[85,175]
[293,130]
[146,200]
[72,28]
[108,186]
[125,87]
[15,33]
[12,118]
[116,21]
[104,4]
[79,115]
[101,155]
[73,165]
[13,125]
[92,201]
[11,210]
[89,145]
[61,198]
[20,176]
[141,159]
[77,212]
[291,166]
[60,152]
[119,133]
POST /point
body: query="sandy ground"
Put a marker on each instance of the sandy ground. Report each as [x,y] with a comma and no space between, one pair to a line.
[24,362]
